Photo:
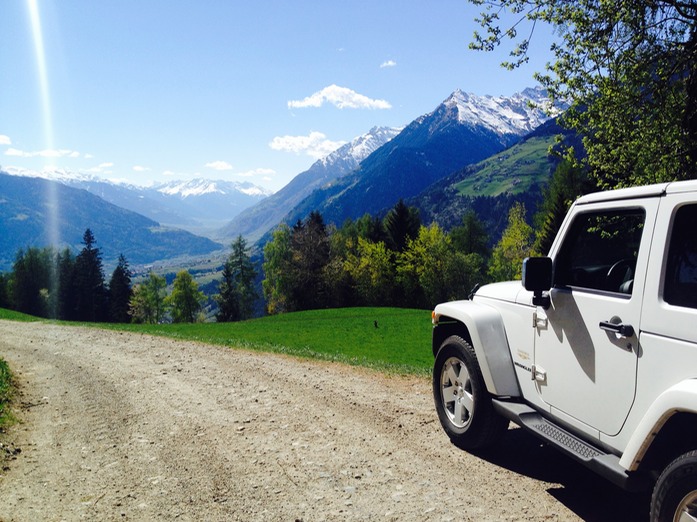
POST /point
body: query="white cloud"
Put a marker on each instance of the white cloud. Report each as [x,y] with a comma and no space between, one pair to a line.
[47,153]
[257,172]
[140,168]
[101,168]
[168,173]
[5,140]
[341,97]
[316,144]
[388,63]
[219,165]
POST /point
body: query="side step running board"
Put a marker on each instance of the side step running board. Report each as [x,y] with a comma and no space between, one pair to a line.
[605,464]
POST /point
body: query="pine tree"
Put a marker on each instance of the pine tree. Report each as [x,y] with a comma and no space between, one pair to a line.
[237,293]
[471,237]
[401,223]
[310,256]
[30,281]
[120,292]
[66,302]
[90,291]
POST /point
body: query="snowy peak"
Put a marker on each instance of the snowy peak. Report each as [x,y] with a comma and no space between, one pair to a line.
[201,187]
[361,147]
[518,114]
[67,177]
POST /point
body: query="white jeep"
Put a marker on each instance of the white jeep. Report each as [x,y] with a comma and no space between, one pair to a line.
[595,352]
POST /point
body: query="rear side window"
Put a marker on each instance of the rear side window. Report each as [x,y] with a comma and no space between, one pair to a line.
[681,270]
[600,251]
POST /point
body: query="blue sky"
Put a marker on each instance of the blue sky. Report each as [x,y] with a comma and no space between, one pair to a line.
[157,90]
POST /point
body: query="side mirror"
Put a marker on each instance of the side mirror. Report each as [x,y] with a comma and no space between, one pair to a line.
[537,277]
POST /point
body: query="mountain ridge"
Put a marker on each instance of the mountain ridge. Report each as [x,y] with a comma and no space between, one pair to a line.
[462,130]
[262,217]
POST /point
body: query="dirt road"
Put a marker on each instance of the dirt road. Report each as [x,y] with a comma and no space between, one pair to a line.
[128,427]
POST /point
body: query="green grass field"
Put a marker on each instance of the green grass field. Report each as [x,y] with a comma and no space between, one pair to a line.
[512,171]
[400,343]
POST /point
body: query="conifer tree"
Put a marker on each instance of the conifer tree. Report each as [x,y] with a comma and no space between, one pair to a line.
[120,292]
[90,291]
[401,223]
[237,293]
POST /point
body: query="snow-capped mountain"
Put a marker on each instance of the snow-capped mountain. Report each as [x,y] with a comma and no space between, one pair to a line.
[262,217]
[200,187]
[198,205]
[350,155]
[462,130]
[519,114]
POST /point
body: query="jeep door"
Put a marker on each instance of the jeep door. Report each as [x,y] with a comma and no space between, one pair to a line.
[586,345]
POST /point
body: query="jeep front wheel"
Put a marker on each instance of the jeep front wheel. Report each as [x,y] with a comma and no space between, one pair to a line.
[462,401]
[674,498]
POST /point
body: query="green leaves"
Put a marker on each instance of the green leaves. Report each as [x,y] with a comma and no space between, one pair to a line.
[629,68]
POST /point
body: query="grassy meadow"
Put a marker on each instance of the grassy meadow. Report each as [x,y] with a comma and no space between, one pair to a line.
[393,340]
[388,339]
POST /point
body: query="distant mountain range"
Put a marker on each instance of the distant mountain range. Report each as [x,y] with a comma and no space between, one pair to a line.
[31,207]
[198,205]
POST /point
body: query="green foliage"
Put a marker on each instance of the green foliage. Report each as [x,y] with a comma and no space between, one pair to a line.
[6,388]
[120,292]
[147,304]
[310,255]
[237,293]
[277,270]
[185,301]
[401,225]
[629,67]
[30,281]
[90,291]
[471,237]
[386,339]
[358,271]
[568,183]
[514,246]
[512,171]
[372,270]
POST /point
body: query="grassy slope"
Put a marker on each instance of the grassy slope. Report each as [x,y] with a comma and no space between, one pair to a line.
[400,343]
[512,171]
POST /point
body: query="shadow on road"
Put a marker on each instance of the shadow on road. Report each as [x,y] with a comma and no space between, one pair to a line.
[591,497]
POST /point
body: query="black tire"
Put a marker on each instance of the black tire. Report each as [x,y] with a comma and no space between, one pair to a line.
[462,401]
[675,494]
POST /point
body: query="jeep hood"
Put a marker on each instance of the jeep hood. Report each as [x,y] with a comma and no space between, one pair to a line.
[509,291]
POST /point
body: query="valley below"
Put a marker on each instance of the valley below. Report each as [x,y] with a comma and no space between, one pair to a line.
[123,426]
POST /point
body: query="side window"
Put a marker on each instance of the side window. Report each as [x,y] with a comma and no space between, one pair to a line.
[681,270]
[600,251]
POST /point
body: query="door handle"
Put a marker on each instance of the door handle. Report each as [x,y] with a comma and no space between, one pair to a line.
[624,330]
